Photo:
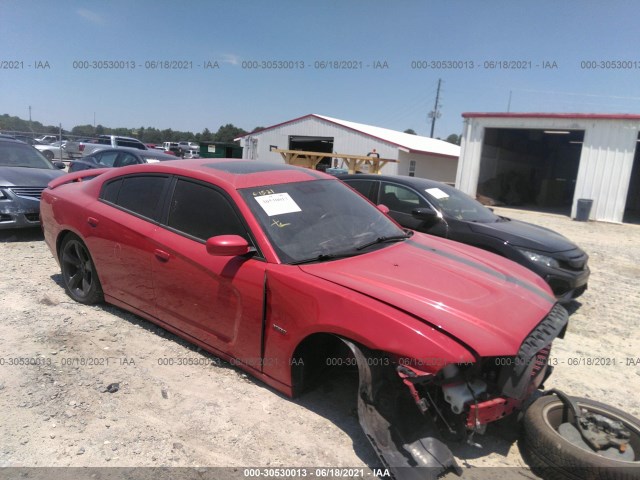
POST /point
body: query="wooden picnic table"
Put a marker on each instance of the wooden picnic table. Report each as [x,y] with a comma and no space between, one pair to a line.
[354,163]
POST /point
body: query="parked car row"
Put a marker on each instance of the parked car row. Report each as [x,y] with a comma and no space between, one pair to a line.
[415,203]
[183,149]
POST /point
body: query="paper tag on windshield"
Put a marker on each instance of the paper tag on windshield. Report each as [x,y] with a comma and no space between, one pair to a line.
[152,160]
[277,204]
[437,193]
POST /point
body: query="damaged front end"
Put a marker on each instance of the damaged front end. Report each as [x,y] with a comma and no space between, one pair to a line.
[453,403]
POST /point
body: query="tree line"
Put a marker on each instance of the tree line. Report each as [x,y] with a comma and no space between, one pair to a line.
[226,133]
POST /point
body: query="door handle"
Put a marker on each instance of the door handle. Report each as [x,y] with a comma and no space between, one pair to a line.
[162,255]
[93,221]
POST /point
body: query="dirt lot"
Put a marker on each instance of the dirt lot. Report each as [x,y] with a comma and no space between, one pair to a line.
[207,413]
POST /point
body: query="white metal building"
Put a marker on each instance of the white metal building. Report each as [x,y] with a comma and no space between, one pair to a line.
[548,161]
[422,156]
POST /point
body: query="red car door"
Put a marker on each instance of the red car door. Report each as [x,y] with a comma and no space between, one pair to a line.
[119,234]
[218,300]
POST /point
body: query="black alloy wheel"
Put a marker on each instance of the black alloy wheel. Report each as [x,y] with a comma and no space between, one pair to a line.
[79,272]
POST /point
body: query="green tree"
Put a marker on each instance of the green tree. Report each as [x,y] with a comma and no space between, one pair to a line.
[453,138]
[83,130]
[152,135]
[206,136]
[228,132]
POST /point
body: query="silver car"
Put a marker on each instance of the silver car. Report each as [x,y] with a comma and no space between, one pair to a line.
[24,174]
[55,150]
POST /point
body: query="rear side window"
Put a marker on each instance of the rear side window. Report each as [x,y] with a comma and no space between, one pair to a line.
[126,159]
[106,158]
[131,143]
[142,195]
[202,212]
[110,191]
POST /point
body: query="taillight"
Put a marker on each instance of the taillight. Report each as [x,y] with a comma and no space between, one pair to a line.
[81,147]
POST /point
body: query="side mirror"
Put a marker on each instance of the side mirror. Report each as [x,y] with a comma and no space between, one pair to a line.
[227,246]
[59,165]
[383,208]
[430,217]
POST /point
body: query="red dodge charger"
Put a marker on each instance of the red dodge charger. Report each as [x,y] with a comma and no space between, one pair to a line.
[284,270]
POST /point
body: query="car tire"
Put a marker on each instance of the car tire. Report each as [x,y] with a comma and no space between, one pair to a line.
[79,272]
[48,154]
[553,455]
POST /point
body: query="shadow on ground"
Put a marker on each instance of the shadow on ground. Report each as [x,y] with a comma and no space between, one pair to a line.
[21,235]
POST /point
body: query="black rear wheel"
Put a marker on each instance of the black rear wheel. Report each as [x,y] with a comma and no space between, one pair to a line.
[554,448]
[79,272]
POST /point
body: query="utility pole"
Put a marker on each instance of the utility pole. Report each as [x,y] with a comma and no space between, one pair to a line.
[435,113]
[30,127]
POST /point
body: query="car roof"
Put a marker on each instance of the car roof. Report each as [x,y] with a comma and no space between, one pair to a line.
[415,182]
[136,151]
[7,139]
[119,137]
[235,173]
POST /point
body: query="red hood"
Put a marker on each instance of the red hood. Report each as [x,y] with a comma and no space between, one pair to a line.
[488,303]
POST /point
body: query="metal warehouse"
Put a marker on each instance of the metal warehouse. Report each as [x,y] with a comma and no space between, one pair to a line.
[549,161]
[407,154]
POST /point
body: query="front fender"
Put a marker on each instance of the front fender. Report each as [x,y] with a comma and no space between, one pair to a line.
[299,305]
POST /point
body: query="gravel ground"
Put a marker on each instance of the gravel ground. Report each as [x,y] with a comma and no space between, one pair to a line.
[60,412]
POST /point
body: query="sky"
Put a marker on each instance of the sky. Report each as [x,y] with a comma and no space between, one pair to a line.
[369,61]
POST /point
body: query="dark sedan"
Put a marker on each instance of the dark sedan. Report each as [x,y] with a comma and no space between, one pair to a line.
[118,157]
[24,174]
[439,209]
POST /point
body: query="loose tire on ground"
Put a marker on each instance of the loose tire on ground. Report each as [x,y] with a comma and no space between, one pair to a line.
[554,457]
[79,272]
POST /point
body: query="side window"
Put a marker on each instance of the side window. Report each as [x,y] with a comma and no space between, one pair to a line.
[126,159]
[401,199]
[365,187]
[110,191]
[106,159]
[202,212]
[412,168]
[130,143]
[143,195]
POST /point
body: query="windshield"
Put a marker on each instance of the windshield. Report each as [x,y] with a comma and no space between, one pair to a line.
[458,205]
[305,220]
[21,155]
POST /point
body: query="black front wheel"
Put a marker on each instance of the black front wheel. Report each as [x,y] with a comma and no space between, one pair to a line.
[79,272]
[48,154]
[555,449]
